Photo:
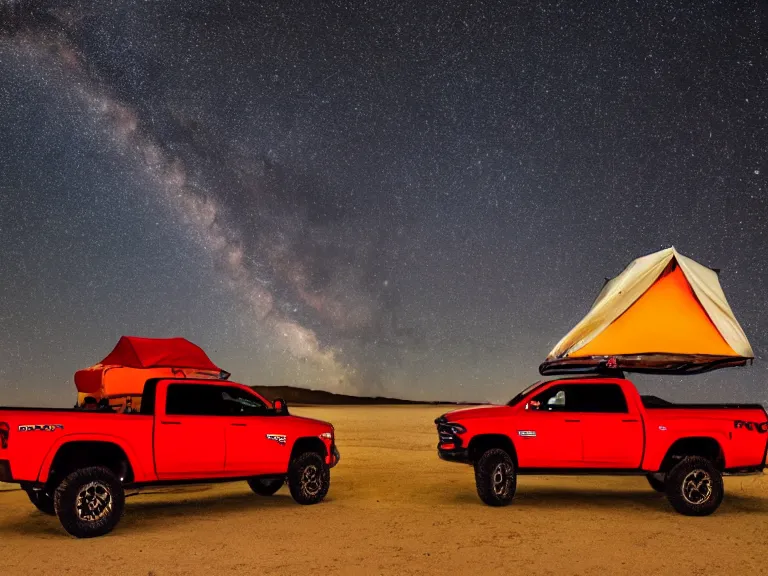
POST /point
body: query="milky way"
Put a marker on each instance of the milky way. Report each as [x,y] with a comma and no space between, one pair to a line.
[196,207]
[415,200]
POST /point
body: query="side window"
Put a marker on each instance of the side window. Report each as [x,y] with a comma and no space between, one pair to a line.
[204,400]
[193,400]
[238,402]
[603,398]
[554,399]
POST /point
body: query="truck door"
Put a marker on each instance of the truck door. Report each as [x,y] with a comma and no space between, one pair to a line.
[548,434]
[612,430]
[189,431]
[255,438]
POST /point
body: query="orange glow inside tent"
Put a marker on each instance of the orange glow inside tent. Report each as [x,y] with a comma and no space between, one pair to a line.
[120,380]
[135,360]
[667,318]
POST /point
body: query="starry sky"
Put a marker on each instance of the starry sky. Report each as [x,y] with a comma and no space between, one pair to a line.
[414,199]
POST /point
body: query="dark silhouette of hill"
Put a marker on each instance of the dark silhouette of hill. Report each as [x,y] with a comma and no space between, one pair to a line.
[294,395]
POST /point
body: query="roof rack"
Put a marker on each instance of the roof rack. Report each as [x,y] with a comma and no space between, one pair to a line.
[654,363]
[586,372]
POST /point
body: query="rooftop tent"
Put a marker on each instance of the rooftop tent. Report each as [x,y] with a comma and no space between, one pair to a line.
[134,352]
[134,360]
[664,314]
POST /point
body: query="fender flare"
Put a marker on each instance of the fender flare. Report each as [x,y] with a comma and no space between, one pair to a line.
[493,436]
[718,437]
[133,461]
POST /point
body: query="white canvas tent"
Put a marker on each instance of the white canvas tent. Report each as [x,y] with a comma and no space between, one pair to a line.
[665,313]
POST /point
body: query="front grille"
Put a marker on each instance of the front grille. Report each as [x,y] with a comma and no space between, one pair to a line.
[446,433]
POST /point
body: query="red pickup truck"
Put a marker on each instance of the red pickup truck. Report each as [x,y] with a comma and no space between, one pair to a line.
[601,425]
[77,464]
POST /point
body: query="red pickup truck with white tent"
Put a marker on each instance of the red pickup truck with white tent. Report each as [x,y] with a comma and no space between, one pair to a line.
[664,314]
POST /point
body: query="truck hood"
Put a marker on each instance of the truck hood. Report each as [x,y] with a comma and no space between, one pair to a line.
[312,423]
[492,411]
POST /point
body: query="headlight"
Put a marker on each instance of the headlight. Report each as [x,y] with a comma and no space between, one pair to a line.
[456,428]
[327,435]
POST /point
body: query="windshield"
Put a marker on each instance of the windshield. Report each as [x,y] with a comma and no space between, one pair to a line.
[525,392]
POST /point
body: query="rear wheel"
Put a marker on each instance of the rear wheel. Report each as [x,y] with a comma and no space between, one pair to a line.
[495,477]
[309,478]
[42,501]
[657,482]
[265,487]
[694,487]
[90,502]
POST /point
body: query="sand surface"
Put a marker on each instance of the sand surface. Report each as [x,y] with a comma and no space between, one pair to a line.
[395,508]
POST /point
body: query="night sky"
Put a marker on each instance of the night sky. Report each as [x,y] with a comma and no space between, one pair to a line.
[414,199]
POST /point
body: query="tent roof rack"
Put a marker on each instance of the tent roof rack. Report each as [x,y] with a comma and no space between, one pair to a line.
[662,364]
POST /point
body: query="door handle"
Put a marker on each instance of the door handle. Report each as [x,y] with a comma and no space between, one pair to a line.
[169,422]
[630,420]
[573,420]
[239,424]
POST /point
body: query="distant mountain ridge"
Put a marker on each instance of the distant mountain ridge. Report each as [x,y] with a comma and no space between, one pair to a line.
[295,395]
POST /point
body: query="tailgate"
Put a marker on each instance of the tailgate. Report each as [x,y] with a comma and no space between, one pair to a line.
[26,436]
[750,437]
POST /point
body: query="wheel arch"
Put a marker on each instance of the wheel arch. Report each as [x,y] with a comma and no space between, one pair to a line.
[704,446]
[308,444]
[73,453]
[482,442]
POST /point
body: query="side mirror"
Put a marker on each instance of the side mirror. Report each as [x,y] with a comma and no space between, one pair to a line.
[280,406]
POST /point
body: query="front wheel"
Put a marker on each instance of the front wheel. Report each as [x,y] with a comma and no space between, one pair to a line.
[495,477]
[90,502]
[42,501]
[694,487]
[265,487]
[309,478]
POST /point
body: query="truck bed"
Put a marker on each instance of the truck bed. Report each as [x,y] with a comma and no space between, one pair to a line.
[34,434]
[654,402]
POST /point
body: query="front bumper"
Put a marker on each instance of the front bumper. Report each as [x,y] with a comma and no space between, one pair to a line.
[335,456]
[451,446]
[461,455]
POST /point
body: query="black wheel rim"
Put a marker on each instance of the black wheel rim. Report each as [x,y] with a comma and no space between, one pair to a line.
[311,481]
[94,502]
[697,487]
[501,479]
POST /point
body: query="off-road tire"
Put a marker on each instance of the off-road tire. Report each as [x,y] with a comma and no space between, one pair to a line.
[694,487]
[266,487]
[495,477]
[97,485]
[656,483]
[309,478]
[42,501]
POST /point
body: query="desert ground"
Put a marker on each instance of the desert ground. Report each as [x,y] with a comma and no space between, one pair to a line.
[395,508]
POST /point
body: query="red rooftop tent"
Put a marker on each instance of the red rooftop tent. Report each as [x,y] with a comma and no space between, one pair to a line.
[135,360]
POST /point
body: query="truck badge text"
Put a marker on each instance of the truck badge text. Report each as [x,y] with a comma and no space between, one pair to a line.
[40,427]
[279,438]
